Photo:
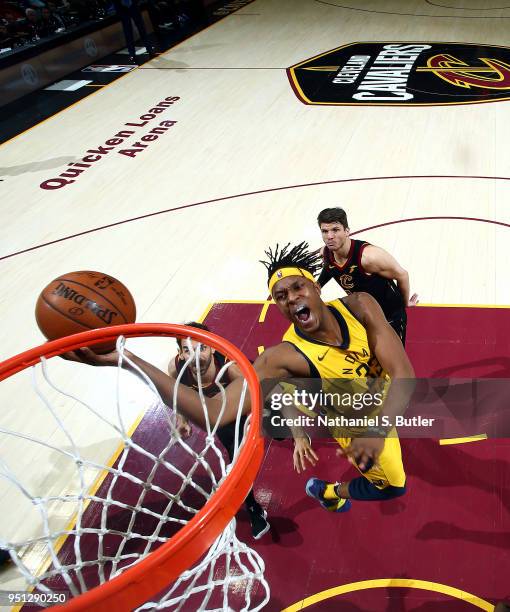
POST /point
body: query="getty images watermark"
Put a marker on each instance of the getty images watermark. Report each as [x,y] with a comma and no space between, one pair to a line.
[325,410]
[432,408]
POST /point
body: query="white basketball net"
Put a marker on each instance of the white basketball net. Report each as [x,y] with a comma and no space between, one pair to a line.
[120,521]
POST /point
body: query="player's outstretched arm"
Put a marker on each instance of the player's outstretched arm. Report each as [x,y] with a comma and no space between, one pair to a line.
[182,425]
[188,400]
[378,261]
[271,364]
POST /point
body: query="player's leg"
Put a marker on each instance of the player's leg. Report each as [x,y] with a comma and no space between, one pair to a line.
[138,19]
[127,26]
[257,514]
[382,481]
[327,494]
[399,324]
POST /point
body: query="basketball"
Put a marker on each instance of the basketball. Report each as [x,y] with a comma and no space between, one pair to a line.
[79,301]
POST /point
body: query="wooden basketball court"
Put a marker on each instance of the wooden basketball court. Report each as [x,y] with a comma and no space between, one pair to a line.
[176,178]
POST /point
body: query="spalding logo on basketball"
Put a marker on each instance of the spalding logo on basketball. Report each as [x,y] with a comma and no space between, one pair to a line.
[79,301]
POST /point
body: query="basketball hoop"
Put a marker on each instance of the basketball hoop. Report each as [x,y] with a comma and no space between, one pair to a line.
[159,573]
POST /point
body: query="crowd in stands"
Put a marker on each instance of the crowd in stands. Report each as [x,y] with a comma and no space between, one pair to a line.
[25,22]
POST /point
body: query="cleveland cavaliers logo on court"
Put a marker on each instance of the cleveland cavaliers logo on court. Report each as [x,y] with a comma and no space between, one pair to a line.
[404,74]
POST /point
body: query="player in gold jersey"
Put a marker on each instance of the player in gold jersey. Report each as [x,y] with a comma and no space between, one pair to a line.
[323,338]
[348,338]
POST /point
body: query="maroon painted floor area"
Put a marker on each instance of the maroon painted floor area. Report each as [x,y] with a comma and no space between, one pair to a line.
[459,342]
[452,527]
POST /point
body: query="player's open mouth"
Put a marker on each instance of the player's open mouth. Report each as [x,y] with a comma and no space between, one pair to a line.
[302,314]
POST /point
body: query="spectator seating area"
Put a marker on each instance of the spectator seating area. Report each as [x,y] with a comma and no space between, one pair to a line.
[26,23]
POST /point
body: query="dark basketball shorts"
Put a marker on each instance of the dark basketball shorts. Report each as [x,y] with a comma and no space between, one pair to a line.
[399,323]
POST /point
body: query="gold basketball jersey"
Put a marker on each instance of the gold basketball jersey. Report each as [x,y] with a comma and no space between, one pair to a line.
[352,359]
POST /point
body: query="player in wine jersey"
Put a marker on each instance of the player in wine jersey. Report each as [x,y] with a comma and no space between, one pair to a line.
[357,265]
[210,363]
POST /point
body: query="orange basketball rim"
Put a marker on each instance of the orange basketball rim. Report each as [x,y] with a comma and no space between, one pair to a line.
[151,575]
